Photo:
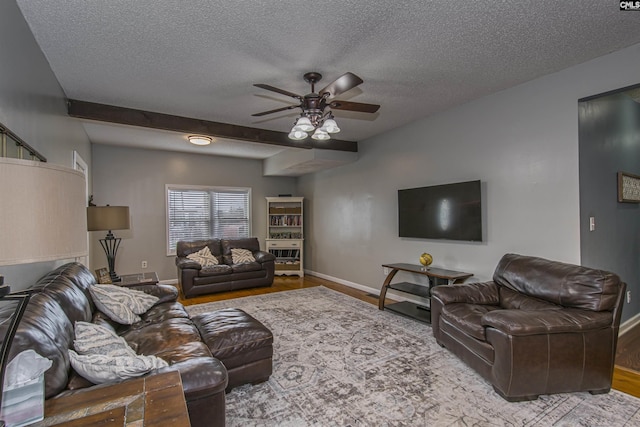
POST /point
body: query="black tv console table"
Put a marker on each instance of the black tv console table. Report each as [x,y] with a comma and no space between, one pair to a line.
[437,276]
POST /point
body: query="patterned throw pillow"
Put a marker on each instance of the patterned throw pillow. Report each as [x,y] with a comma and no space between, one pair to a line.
[204,257]
[97,339]
[99,368]
[121,304]
[242,256]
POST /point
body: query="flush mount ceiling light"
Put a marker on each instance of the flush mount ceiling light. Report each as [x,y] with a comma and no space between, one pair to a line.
[200,140]
[314,118]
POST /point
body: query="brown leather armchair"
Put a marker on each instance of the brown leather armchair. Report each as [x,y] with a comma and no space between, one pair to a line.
[539,327]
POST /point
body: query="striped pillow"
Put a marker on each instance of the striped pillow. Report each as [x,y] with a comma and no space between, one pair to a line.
[99,368]
[121,304]
[204,257]
[97,339]
[242,256]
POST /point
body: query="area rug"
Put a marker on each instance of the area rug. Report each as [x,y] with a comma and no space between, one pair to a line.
[339,361]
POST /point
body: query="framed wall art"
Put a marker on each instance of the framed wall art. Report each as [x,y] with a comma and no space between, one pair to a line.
[628,188]
[103,276]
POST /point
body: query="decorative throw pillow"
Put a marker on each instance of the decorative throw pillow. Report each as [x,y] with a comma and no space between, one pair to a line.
[98,339]
[121,304]
[204,257]
[241,256]
[99,368]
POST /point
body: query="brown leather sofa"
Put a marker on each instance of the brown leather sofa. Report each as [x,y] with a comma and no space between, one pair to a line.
[539,327]
[196,280]
[165,331]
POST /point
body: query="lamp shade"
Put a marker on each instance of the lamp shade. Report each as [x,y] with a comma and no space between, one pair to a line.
[297,135]
[42,212]
[320,135]
[303,124]
[330,126]
[103,218]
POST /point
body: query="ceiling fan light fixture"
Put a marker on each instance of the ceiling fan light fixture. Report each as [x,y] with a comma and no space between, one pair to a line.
[313,117]
[297,135]
[199,139]
[303,124]
[330,126]
[320,135]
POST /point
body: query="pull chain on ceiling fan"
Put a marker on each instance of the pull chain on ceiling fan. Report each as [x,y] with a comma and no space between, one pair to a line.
[313,105]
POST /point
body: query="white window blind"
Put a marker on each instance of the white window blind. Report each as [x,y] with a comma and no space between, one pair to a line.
[205,213]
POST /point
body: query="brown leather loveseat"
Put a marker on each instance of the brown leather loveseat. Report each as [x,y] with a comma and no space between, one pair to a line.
[212,352]
[539,327]
[194,279]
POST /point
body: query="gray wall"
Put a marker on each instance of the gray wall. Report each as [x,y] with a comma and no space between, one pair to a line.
[610,142]
[521,142]
[33,106]
[137,178]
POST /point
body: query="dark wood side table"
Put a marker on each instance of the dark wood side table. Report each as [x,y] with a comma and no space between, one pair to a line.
[438,276]
[153,401]
[150,278]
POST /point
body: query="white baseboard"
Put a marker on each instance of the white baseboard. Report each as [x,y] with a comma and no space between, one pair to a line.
[390,294]
[340,281]
[169,282]
[629,324]
[624,327]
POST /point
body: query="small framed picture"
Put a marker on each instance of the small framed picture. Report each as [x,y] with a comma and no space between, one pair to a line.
[103,276]
[628,188]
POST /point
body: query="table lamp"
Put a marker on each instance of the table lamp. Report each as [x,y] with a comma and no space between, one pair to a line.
[108,218]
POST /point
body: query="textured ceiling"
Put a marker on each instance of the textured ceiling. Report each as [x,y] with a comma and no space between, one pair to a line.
[199,58]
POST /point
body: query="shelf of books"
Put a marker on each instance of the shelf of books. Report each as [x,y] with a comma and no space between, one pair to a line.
[285,234]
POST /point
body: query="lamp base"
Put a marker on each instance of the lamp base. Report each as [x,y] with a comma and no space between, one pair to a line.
[110,245]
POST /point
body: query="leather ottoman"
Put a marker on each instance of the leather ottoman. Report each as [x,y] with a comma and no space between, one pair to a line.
[240,342]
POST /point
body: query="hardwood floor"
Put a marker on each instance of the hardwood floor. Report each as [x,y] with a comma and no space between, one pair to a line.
[626,375]
[285,283]
[628,354]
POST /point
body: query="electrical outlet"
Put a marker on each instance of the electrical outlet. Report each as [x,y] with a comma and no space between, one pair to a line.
[144,264]
[628,297]
[385,271]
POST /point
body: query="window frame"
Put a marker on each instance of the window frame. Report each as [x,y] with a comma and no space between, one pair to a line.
[208,188]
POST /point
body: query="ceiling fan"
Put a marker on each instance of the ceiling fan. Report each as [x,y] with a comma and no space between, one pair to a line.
[313,105]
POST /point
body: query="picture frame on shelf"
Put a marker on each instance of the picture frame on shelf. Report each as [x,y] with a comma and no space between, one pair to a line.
[102,274]
[628,188]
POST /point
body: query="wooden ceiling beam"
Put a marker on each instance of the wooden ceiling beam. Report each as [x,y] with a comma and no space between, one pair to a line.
[148,119]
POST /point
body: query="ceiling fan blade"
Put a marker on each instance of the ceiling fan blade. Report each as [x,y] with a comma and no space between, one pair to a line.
[354,106]
[275,89]
[264,113]
[342,84]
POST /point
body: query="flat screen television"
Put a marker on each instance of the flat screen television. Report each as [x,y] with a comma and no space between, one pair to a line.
[449,211]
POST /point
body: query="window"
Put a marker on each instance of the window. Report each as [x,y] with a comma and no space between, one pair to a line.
[195,213]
